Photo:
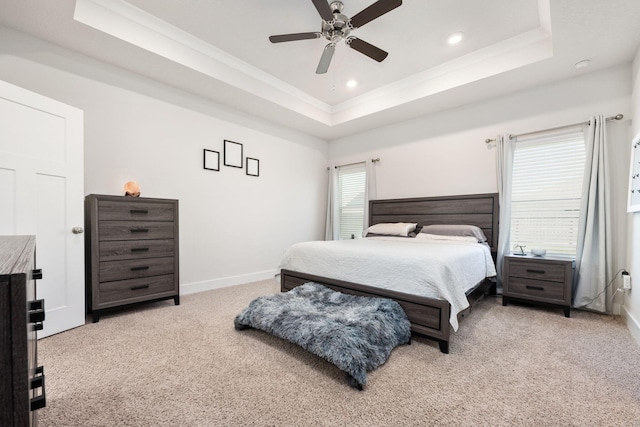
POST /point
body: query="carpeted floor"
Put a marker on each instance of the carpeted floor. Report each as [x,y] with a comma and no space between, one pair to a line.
[166,365]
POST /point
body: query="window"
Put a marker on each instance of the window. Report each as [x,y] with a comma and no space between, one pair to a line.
[546,191]
[351,186]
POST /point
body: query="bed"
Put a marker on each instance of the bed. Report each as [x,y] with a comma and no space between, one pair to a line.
[431,316]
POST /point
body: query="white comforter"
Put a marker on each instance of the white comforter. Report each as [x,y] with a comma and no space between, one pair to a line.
[435,269]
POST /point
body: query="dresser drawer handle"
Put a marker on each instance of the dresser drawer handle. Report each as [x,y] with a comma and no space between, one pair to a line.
[36,316]
[535,271]
[144,267]
[38,402]
[139,230]
[137,288]
[139,249]
[535,288]
[139,211]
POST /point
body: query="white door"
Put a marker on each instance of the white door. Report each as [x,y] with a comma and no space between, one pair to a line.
[42,192]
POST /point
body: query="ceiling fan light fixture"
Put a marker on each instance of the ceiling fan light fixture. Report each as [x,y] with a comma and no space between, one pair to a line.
[455,38]
[352,83]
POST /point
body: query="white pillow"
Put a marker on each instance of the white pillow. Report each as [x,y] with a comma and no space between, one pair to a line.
[392,229]
[455,230]
[427,236]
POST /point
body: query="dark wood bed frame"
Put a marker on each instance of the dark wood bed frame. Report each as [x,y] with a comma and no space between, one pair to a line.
[428,316]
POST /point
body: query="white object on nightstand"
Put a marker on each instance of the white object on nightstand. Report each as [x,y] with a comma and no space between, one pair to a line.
[538,252]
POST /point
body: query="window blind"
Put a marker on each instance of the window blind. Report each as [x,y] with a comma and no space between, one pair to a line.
[351,186]
[546,191]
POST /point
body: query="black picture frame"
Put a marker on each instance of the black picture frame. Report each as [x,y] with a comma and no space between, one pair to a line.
[232,154]
[253,166]
[211,160]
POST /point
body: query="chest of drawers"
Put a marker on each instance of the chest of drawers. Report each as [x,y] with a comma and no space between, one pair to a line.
[22,381]
[131,251]
[545,280]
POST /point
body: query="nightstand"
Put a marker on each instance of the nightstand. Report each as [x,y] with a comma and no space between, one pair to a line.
[545,280]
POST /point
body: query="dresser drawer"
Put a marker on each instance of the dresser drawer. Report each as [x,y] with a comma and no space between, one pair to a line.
[135,290]
[135,230]
[114,250]
[129,269]
[539,270]
[135,210]
[539,290]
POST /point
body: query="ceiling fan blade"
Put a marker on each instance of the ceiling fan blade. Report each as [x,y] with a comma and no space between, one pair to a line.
[368,49]
[323,9]
[374,11]
[325,59]
[293,37]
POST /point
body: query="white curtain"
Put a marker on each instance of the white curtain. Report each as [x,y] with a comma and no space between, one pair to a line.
[370,189]
[593,251]
[504,162]
[332,225]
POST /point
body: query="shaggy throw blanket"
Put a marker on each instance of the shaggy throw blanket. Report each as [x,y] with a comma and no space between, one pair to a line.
[357,334]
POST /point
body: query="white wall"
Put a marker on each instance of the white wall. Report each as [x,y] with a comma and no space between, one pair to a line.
[233,227]
[445,153]
[632,299]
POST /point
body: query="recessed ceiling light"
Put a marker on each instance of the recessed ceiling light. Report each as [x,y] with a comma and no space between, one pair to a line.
[455,38]
[352,83]
[582,64]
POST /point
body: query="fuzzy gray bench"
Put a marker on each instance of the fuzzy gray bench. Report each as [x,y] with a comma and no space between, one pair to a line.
[357,334]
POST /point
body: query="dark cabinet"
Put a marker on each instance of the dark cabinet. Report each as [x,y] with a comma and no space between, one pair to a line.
[22,381]
[131,251]
[545,280]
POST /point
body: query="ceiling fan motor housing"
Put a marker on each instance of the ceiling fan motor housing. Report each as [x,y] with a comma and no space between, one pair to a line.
[338,28]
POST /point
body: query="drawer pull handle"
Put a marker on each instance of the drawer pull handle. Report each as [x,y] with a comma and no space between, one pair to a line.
[139,249]
[137,288]
[529,270]
[144,267]
[36,316]
[37,304]
[139,211]
[535,288]
[139,230]
[38,402]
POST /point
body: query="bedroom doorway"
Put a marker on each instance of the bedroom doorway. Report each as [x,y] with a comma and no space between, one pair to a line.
[42,191]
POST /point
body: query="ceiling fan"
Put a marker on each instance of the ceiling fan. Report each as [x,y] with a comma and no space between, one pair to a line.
[337,27]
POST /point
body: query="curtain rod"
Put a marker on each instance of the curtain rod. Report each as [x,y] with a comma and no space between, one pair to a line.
[377,159]
[616,117]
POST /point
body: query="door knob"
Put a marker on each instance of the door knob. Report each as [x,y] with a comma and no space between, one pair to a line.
[77,230]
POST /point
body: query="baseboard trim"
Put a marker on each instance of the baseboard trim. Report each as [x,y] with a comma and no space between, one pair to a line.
[192,288]
[632,324]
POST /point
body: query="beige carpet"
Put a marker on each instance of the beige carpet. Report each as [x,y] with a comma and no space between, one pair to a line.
[166,365]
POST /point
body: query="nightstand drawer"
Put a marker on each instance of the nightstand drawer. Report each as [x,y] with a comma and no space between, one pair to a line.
[540,290]
[538,270]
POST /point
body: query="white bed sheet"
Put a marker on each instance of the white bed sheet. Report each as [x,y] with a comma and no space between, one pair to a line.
[435,269]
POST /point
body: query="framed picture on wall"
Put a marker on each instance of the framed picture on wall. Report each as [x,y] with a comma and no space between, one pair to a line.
[633,204]
[232,154]
[253,167]
[211,160]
